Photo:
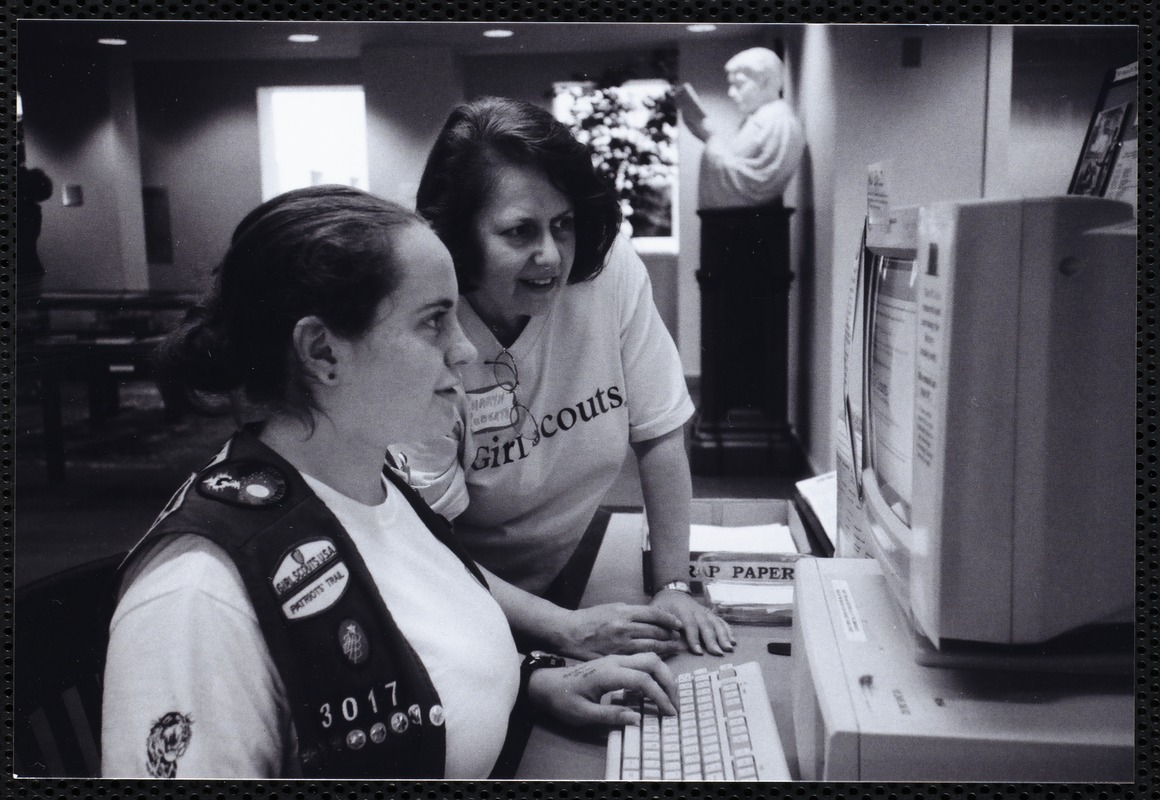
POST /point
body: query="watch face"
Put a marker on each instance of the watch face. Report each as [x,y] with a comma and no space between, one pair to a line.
[539,658]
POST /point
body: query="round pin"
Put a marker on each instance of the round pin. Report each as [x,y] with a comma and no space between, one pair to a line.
[264,487]
[399,722]
[356,739]
[378,733]
[416,714]
[436,715]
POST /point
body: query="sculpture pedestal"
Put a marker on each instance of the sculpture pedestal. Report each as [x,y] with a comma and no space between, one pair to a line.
[742,427]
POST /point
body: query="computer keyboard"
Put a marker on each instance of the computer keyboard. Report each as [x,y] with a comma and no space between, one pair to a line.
[724,730]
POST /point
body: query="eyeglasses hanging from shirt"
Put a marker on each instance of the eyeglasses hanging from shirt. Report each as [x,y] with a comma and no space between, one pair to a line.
[507,377]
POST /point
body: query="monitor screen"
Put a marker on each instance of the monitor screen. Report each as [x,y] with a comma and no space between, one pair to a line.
[891,380]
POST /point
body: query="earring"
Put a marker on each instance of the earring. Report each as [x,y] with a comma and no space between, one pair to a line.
[331,376]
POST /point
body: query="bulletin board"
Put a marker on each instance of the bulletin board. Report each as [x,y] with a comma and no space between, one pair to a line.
[1107,162]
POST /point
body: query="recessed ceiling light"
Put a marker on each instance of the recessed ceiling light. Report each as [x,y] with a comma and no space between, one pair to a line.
[701,28]
[113,42]
[498,33]
[303,38]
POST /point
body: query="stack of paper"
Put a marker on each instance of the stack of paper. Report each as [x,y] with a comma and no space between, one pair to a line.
[771,538]
[751,603]
[815,501]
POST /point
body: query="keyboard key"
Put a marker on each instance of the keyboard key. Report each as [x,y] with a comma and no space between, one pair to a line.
[745,767]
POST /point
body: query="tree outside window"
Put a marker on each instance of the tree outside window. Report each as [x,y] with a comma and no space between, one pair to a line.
[632,131]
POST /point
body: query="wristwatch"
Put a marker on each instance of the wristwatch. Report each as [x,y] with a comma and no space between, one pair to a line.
[677,586]
[537,659]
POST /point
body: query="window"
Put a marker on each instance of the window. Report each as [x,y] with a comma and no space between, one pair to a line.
[311,135]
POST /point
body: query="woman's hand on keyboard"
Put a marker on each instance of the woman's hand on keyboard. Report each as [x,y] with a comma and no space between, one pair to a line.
[619,628]
[572,694]
[703,630]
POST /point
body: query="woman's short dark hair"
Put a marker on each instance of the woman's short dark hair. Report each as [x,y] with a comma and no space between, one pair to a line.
[325,251]
[484,135]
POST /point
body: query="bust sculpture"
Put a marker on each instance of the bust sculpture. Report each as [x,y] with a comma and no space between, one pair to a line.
[751,166]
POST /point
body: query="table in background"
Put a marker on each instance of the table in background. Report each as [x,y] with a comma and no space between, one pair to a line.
[117,339]
[101,363]
[557,752]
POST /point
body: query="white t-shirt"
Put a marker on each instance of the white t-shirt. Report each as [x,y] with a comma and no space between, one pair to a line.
[753,165]
[185,639]
[597,372]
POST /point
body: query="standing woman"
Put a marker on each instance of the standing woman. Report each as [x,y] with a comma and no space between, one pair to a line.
[574,365]
[293,611]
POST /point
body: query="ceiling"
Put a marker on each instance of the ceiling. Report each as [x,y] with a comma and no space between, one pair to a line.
[193,41]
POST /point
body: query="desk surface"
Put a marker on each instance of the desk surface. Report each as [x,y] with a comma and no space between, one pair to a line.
[560,753]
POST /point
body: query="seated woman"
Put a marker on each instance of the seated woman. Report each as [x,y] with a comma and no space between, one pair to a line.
[574,366]
[293,611]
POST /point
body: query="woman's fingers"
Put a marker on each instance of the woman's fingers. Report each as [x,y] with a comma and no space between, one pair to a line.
[674,623]
[656,616]
[612,714]
[714,633]
[649,676]
[575,692]
[637,630]
[703,630]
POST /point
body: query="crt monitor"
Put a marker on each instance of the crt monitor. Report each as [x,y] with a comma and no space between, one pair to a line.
[998,381]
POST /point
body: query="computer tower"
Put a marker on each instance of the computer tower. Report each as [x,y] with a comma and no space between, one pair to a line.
[865,710]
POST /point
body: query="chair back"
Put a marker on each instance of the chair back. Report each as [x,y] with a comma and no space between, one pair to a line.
[60,635]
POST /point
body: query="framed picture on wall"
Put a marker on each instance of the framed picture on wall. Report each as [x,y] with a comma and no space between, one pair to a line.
[1107,160]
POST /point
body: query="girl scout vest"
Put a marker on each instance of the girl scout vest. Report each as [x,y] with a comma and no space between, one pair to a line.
[362,703]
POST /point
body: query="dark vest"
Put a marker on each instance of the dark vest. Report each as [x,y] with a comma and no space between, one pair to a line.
[362,702]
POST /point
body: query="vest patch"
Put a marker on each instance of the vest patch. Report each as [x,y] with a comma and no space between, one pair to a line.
[319,594]
[243,483]
[168,740]
[354,641]
[179,496]
[302,563]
